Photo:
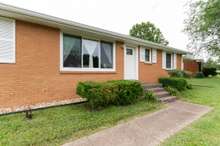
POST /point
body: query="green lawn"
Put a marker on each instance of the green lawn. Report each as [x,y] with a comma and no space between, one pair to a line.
[55,126]
[205,131]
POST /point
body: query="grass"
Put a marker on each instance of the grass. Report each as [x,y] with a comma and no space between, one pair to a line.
[55,126]
[205,131]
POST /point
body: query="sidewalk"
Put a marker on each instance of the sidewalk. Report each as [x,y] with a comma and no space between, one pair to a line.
[147,130]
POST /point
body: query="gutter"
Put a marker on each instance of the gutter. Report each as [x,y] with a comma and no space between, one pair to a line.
[31,16]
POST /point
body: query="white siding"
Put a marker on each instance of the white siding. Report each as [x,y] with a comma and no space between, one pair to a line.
[7,40]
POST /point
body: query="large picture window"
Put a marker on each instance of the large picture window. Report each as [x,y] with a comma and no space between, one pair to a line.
[83,54]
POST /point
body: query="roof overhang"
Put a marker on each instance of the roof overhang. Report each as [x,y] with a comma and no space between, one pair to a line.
[74,27]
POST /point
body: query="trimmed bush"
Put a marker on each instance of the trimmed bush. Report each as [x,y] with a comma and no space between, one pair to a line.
[209,71]
[127,91]
[178,73]
[100,95]
[199,75]
[177,83]
[189,86]
[171,90]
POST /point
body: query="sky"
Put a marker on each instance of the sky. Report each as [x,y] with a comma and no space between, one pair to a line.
[118,15]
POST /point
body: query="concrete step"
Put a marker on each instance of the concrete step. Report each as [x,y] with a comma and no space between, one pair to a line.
[162,94]
[156,89]
[145,85]
[168,99]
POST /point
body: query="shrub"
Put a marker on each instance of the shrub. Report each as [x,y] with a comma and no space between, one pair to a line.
[178,73]
[171,90]
[199,75]
[187,74]
[149,95]
[209,71]
[99,95]
[189,86]
[127,91]
[178,83]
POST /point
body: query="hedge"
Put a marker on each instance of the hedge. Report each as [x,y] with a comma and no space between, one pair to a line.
[177,83]
[102,94]
[199,75]
[209,71]
[179,73]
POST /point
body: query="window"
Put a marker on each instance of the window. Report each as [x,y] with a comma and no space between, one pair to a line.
[168,61]
[147,55]
[86,55]
[129,51]
[7,40]
[106,55]
[72,51]
[91,50]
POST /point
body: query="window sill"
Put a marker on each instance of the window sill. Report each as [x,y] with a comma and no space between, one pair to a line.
[8,62]
[168,69]
[146,62]
[86,71]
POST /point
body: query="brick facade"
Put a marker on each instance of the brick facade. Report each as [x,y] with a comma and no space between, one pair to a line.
[36,76]
[151,72]
[191,65]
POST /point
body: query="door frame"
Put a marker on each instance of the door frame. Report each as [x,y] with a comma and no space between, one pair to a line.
[136,60]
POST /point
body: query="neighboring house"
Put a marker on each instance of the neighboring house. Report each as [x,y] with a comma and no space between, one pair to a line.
[42,58]
[192,65]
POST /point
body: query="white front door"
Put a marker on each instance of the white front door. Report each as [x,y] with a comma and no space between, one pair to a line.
[130,72]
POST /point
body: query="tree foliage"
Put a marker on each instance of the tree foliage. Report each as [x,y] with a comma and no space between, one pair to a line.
[203,26]
[210,63]
[148,31]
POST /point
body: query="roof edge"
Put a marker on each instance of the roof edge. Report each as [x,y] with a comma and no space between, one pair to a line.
[75,25]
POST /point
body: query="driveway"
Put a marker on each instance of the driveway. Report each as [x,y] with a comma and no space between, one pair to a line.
[148,130]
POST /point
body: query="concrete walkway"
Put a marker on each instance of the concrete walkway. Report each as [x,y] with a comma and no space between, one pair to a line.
[148,130]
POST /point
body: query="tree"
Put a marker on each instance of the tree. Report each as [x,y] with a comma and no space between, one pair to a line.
[210,63]
[203,26]
[148,31]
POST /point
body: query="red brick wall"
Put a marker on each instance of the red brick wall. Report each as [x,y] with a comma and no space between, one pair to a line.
[191,65]
[151,72]
[36,75]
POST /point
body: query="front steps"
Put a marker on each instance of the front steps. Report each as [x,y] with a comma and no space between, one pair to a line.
[159,92]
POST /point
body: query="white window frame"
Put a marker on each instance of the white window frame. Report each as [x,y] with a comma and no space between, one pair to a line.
[142,55]
[150,56]
[75,69]
[172,61]
[13,60]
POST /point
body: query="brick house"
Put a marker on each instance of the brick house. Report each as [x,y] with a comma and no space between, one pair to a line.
[192,65]
[43,57]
